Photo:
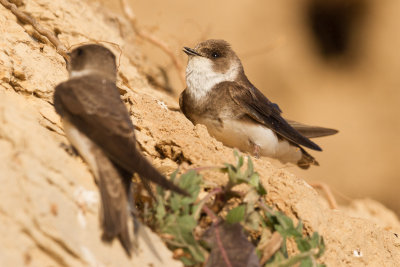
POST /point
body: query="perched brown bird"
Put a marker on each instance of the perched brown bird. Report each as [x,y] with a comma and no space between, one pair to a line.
[235,112]
[98,125]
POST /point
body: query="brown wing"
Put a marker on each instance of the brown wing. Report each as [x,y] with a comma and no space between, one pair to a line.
[184,105]
[257,106]
[95,108]
[182,102]
[114,215]
[311,131]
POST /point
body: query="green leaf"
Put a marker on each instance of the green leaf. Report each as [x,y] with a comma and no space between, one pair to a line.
[187,262]
[293,233]
[283,248]
[306,262]
[227,166]
[160,192]
[160,211]
[261,190]
[303,245]
[316,241]
[239,159]
[233,177]
[299,226]
[275,259]
[186,223]
[175,202]
[250,167]
[284,221]
[236,215]
[254,180]
[196,252]
[190,181]
[240,162]
[172,177]
[321,247]
[182,230]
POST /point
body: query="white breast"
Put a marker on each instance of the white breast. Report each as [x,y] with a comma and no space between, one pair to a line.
[245,135]
[201,78]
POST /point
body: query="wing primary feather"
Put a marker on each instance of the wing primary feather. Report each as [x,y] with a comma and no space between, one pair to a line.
[258,107]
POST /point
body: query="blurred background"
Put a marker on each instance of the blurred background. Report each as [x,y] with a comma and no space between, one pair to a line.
[332,63]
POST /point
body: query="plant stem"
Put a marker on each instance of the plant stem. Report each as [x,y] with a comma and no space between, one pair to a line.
[295,259]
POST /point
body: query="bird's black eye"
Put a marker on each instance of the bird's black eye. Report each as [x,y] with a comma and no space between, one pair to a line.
[215,54]
[80,52]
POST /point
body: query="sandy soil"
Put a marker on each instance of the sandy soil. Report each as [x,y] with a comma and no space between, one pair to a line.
[49,202]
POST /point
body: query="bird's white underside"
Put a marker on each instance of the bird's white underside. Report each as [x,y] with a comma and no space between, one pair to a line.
[83,145]
[200,79]
[246,135]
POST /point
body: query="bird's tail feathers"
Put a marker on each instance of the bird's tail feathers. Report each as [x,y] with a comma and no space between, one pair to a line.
[114,204]
[147,171]
[311,131]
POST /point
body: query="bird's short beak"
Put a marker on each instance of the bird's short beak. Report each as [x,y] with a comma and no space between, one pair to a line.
[190,51]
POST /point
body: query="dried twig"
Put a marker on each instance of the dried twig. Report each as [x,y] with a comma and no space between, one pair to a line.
[271,247]
[152,39]
[328,193]
[27,18]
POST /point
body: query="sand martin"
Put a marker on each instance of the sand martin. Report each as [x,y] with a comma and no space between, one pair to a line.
[235,112]
[97,124]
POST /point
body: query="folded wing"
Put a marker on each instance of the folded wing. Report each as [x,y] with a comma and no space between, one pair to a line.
[259,108]
[97,110]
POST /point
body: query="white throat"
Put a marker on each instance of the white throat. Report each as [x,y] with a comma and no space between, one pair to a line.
[80,73]
[85,72]
[201,78]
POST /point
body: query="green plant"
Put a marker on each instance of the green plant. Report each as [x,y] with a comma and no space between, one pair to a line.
[230,228]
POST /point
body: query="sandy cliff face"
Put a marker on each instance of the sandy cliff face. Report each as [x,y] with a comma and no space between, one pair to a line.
[48,199]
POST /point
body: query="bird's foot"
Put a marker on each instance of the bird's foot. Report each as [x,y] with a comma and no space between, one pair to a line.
[256,151]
